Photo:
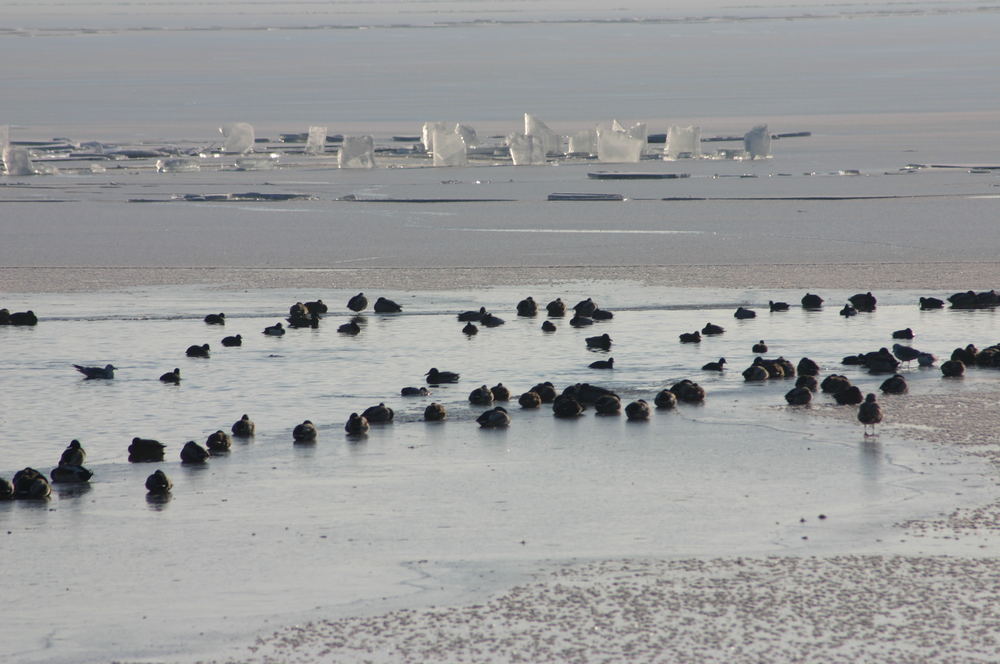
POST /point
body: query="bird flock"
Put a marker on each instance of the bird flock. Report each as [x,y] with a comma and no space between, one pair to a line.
[570,402]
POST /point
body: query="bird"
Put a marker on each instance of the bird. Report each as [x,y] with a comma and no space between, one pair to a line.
[489,320]
[386,306]
[848,311]
[754,373]
[546,391]
[863,301]
[712,329]
[145,449]
[931,303]
[481,396]
[219,442]
[953,368]
[529,399]
[500,392]
[637,410]
[894,385]
[834,383]
[798,396]
[317,307]
[158,483]
[759,347]
[715,366]
[811,301]
[556,308]
[602,314]
[527,307]
[665,399]
[603,341]
[807,381]
[807,367]
[435,377]
[358,303]
[777,306]
[356,425]
[743,313]
[6,488]
[243,427]
[23,318]
[903,334]
[414,392]
[498,418]
[304,433]
[470,329]
[435,412]
[870,413]
[300,321]
[608,404]
[380,414]
[906,353]
[298,310]
[850,396]
[173,377]
[472,316]
[215,319]
[108,371]
[688,391]
[192,452]
[690,337]
[29,483]
[585,307]
[566,407]
[580,321]
[603,364]
[74,454]
[197,351]
[275,330]
[548,326]
[349,328]
[68,473]
[235,340]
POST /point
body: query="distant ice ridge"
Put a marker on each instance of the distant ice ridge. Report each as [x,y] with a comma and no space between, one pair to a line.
[757,142]
[357,152]
[683,142]
[239,137]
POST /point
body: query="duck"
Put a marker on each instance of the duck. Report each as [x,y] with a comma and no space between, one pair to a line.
[690,337]
[807,381]
[603,341]
[527,307]
[931,303]
[386,306]
[470,330]
[243,427]
[275,330]
[566,407]
[489,320]
[714,366]
[298,310]
[414,392]
[688,391]
[585,307]
[953,368]
[864,302]
[435,412]
[966,356]
[349,328]
[74,454]
[894,385]
[906,333]
[603,364]
[870,413]
[498,418]
[637,411]
[306,320]
[23,318]
[89,373]
[743,313]
[665,399]
[548,326]
[380,414]
[31,484]
[317,307]
[158,483]
[755,373]
[712,329]
[811,301]
[472,316]
[807,367]
[145,449]
[500,392]
[546,391]
[608,404]
[759,347]
[219,441]
[232,341]
[798,396]
[777,306]
[602,314]
[66,473]
[192,452]
[197,351]
[173,377]
[215,319]
[848,311]
[358,303]
[580,321]
[435,377]
[529,399]
[6,488]
[848,397]
[906,353]
[357,425]
[556,308]
[304,433]
[481,396]
[834,383]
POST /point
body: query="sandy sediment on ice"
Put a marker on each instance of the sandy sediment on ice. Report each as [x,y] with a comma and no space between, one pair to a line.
[935,277]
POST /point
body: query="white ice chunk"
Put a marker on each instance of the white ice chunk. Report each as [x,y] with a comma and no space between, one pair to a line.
[584,142]
[427,134]
[239,137]
[316,142]
[468,135]
[525,150]
[357,152]
[4,136]
[449,149]
[17,161]
[177,165]
[618,146]
[541,132]
[757,142]
[683,142]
